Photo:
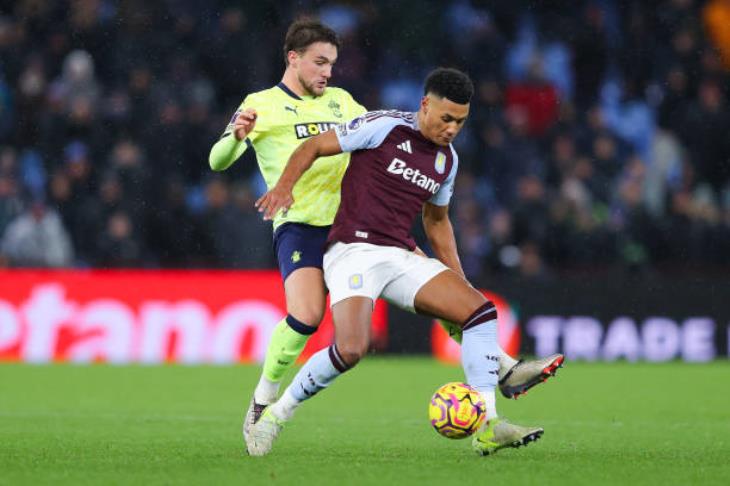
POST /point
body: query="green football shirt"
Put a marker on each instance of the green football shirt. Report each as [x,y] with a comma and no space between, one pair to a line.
[284,121]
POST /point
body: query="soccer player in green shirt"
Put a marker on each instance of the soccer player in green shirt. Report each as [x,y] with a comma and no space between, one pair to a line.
[275,122]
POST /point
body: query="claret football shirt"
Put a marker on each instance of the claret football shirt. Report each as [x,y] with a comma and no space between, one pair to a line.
[393,171]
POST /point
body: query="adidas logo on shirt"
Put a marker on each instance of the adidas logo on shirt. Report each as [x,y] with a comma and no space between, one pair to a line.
[405,146]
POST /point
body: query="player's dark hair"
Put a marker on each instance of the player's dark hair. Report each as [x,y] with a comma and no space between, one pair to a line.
[450,83]
[306,31]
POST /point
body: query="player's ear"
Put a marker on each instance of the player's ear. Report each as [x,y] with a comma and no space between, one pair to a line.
[292,57]
[424,104]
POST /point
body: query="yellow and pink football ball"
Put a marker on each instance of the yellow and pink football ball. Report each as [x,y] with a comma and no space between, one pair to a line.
[457,410]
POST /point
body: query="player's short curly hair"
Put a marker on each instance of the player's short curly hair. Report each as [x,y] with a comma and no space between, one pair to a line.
[304,32]
[450,83]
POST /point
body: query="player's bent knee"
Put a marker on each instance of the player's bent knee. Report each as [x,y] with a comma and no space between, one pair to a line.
[352,353]
[306,297]
[351,359]
[311,316]
[299,326]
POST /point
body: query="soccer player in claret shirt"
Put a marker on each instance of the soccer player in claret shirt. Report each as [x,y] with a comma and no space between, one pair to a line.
[401,164]
[275,122]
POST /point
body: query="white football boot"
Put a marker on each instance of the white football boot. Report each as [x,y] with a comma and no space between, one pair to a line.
[526,374]
[262,434]
[499,433]
[253,414]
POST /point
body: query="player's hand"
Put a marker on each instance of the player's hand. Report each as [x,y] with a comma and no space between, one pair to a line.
[244,123]
[274,200]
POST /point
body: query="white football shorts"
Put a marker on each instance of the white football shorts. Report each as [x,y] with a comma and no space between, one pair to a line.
[365,270]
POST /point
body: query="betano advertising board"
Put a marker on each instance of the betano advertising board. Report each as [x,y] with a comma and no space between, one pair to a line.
[227,317]
[147,316]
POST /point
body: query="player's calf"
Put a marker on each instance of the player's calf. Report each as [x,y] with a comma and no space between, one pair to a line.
[352,317]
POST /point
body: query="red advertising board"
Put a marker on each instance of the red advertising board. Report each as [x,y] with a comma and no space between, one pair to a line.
[148,316]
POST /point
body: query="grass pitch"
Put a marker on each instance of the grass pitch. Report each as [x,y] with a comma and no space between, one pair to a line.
[604,424]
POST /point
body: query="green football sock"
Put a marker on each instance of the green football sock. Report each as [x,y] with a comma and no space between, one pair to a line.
[452,329]
[285,346]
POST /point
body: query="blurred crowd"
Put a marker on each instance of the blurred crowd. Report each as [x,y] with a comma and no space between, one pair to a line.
[599,136]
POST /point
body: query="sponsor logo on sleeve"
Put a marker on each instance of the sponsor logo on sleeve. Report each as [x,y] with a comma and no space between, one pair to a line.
[229,127]
[351,126]
[356,123]
[233,118]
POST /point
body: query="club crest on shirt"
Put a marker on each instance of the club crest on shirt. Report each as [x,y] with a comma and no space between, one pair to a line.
[440,163]
[335,107]
[355,281]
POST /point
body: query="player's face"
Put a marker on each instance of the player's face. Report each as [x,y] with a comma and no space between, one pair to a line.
[441,119]
[313,67]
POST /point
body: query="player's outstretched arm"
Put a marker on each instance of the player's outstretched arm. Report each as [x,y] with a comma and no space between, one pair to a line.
[440,233]
[280,196]
[231,145]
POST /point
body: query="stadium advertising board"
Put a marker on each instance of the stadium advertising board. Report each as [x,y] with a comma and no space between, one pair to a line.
[226,317]
[656,320]
[651,320]
[147,316]
[656,338]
